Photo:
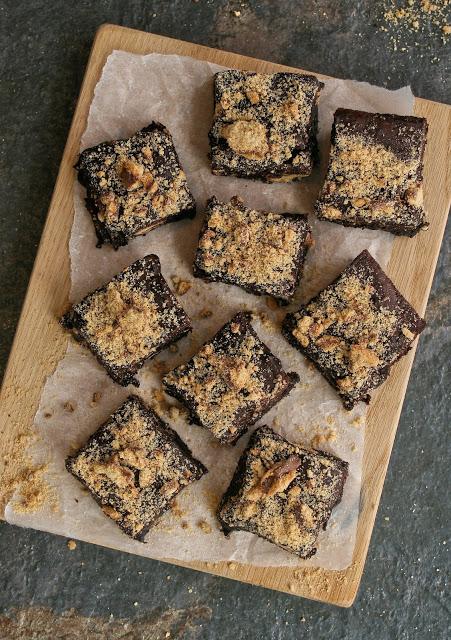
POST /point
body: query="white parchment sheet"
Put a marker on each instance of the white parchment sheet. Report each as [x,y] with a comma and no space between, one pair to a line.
[132,91]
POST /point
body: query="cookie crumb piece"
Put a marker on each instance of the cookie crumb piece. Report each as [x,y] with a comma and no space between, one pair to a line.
[204,526]
[71,545]
[181,286]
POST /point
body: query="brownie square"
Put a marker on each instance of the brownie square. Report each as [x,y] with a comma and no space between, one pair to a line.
[231,382]
[134,185]
[129,319]
[259,251]
[375,173]
[355,329]
[282,492]
[264,125]
[134,465]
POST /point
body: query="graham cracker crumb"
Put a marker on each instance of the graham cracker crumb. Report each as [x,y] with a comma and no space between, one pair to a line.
[71,545]
[204,526]
[181,286]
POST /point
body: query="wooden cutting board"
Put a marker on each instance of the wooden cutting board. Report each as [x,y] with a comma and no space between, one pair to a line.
[40,342]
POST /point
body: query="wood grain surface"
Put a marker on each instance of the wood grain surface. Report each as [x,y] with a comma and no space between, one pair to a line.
[40,342]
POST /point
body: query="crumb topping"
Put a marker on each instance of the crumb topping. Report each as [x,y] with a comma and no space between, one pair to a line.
[135,183]
[284,493]
[129,319]
[253,248]
[353,329]
[133,467]
[227,384]
[369,179]
[263,122]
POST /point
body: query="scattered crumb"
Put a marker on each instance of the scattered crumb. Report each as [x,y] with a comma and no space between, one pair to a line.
[353,447]
[204,526]
[276,422]
[158,402]
[322,438]
[69,407]
[357,422]
[173,348]
[387,518]
[272,304]
[237,14]
[71,545]
[48,414]
[184,524]
[175,412]
[177,511]
[232,566]
[330,419]
[95,398]
[401,19]
[205,313]
[181,286]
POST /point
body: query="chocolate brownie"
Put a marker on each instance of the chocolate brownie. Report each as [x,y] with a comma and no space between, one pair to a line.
[134,185]
[129,320]
[283,492]
[355,329]
[134,465]
[375,173]
[231,382]
[264,125]
[259,251]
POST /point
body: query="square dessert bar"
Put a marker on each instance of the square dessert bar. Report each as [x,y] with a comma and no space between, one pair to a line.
[134,185]
[375,173]
[282,492]
[129,320]
[259,251]
[355,329]
[231,382]
[134,466]
[264,125]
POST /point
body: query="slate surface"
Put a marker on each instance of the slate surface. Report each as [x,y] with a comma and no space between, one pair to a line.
[60,593]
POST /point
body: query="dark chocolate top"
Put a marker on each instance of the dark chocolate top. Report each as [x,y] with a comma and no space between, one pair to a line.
[135,465]
[264,124]
[231,381]
[283,492]
[258,250]
[134,183]
[375,173]
[356,328]
[129,319]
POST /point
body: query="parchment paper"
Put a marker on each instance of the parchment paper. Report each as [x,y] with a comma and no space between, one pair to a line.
[132,91]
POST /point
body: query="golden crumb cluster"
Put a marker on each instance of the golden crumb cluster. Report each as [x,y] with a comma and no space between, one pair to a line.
[124,323]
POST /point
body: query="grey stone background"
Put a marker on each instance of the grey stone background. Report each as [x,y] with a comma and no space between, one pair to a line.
[47,591]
